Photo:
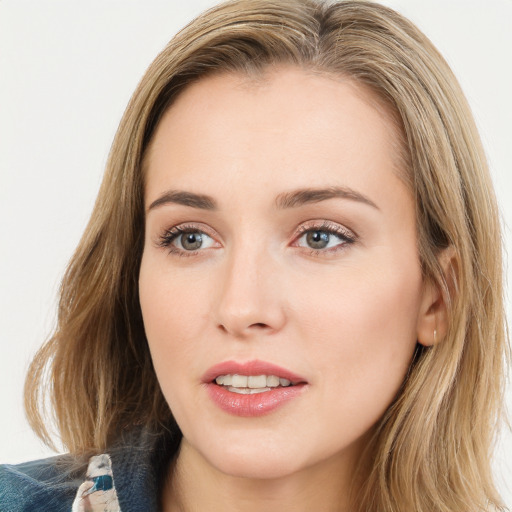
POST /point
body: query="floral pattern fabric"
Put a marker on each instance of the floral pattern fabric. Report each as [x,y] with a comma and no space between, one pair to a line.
[98,492]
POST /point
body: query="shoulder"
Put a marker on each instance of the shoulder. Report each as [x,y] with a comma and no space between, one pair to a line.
[128,477]
[37,486]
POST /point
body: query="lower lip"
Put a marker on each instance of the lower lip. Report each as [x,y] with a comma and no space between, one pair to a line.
[257,404]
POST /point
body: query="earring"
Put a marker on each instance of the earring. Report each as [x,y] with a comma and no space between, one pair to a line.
[435,336]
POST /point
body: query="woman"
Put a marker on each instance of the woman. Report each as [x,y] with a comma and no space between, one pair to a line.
[289,293]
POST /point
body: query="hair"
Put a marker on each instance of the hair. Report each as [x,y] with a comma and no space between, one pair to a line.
[432,449]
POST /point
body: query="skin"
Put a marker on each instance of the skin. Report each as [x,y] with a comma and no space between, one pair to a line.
[346,318]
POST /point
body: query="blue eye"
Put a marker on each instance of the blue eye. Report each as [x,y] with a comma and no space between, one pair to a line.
[192,241]
[318,239]
[184,239]
[325,237]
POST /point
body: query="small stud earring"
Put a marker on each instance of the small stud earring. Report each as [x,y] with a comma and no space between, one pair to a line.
[435,336]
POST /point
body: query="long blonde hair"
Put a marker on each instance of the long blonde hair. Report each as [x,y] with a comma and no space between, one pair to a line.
[433,447]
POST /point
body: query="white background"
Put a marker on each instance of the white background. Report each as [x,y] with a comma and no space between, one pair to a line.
[67,70]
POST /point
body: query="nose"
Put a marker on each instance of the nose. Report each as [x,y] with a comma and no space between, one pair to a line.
[250,300]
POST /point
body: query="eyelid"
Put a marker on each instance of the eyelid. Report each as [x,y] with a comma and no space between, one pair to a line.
[347,236]
[165,238]
[195,226]
[325,225]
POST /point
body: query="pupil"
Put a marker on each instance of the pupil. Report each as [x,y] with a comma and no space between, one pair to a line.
[191,241]
[317,239]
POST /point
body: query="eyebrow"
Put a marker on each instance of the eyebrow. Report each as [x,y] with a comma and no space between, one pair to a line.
[293,199]
[304,196]
[200,201]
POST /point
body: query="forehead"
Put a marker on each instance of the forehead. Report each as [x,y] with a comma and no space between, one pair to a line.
[285,123]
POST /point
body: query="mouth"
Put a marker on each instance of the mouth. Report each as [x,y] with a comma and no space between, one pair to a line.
[252,388]
[251,384]
[254,374]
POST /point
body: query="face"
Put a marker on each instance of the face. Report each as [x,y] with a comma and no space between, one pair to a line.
[280,244]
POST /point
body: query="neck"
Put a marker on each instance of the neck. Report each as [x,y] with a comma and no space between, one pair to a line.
[194,485]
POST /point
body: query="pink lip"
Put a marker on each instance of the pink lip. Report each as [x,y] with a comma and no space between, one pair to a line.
[257,404]
[255,367]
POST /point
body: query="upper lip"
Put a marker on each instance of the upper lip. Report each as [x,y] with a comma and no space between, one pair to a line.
[254,367]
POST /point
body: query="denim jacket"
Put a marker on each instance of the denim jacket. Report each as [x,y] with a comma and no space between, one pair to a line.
[127,479]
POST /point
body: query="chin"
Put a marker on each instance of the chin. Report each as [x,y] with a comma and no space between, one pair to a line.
[254,462]
[262,469]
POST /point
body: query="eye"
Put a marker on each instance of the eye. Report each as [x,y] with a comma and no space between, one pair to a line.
[183,239]
[328,236]
[192,241]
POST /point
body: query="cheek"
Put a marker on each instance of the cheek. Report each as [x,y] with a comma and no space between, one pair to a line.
[174,316]
[363,329]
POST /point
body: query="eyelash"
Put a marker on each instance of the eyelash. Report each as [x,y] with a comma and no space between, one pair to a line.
[346,236]
[167,238]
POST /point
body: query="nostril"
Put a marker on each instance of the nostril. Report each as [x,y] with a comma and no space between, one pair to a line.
[259,325]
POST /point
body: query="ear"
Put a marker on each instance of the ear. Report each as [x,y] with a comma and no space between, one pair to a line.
[433,315]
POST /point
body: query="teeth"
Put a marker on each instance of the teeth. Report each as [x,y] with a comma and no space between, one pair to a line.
[239,381]
[247,391]
[272,381]
[259,383]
